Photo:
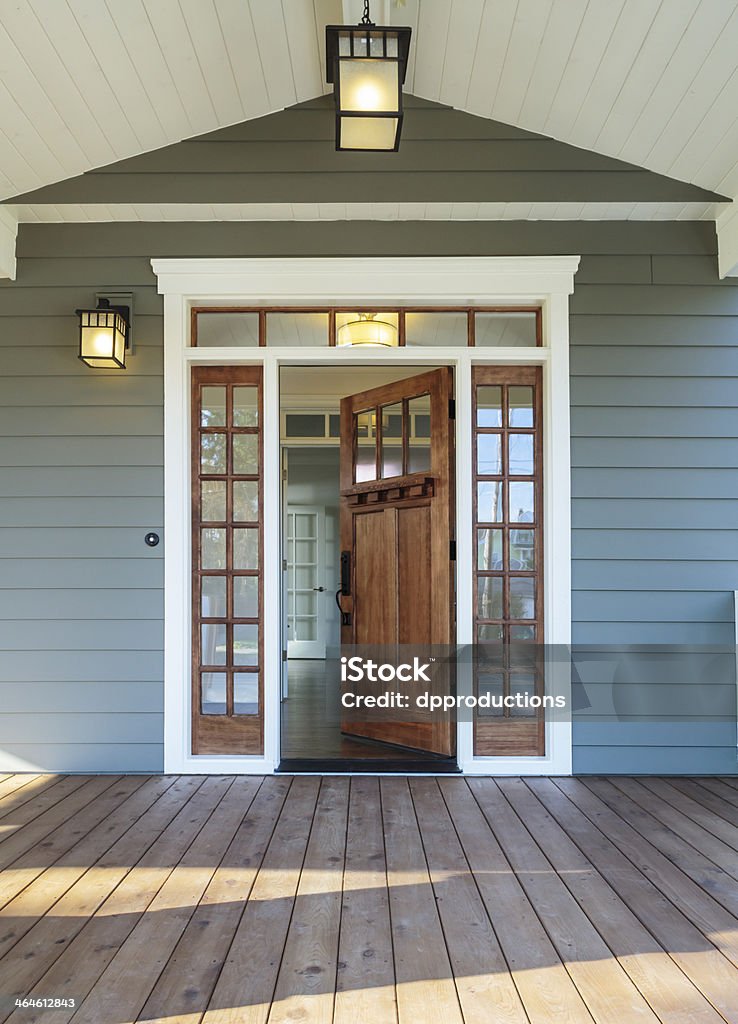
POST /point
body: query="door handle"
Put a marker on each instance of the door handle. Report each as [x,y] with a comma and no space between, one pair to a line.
[319,590]
[345,616]
[345,573]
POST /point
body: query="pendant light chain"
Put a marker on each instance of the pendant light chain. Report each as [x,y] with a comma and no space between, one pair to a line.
[366,20]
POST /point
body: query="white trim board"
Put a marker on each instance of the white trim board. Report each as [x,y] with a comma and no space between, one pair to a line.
[482,281]
[8,237]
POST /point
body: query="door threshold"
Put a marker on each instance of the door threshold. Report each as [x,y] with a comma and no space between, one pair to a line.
[368,765]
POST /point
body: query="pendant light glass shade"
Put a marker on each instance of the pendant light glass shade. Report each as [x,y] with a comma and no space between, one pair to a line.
[367,330]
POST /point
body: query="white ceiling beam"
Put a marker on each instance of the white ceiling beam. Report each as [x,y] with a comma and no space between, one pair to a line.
[727,234]
[8,235]
[379,10]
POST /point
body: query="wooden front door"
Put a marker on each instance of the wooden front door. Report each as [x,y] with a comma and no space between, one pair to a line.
[396,533]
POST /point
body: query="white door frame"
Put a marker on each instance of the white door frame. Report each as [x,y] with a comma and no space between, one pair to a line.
[463,281]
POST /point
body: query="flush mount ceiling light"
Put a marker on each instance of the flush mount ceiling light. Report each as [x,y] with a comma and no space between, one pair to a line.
[366,64]
[104,335]
[367,330]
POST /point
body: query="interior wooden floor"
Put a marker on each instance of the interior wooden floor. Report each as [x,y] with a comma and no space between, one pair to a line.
[311,721]
[410,900]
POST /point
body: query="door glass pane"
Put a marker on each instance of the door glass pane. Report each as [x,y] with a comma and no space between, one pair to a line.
[245,597]
[231,330]
[391,440]
[306,525]
[246,548]
[245,644]
[246,501]
[245,453]
[494,330]
[213,453]
[489,406]
[489,502]
[305,577]
[213,643]
[520,454]
[305,629]
[489,549]
[366,465]
[305,602]
[521,502]
[304,424]
[490,634]
[489,597]
[520,406]
[436,329]
[245,693]
[299,329]
[419,444]
[522,550]
[213,693]
[522,597]
[489,454]
[213,501]
[491,683]
[213,407]
[213,597]
[305,552]
[213,548]
[522,632]
[522,683]
[246,407]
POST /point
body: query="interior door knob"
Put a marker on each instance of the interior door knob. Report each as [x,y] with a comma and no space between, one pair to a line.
[319,590]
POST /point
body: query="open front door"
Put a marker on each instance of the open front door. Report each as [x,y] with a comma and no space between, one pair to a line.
[396,532]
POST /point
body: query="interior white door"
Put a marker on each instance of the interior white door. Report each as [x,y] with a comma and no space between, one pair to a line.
[306,589]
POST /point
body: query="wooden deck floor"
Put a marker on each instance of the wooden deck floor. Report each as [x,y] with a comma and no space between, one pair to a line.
[217,899]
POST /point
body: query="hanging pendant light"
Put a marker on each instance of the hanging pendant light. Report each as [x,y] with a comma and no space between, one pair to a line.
[366,63]
[367,330]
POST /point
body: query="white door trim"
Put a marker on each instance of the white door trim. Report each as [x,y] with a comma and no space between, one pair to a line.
[476,281]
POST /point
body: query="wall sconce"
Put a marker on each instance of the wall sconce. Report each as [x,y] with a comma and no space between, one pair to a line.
[366,64]
[367,330]
[105,334]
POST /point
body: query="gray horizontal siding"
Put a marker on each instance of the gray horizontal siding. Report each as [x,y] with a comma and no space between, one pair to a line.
[655,485]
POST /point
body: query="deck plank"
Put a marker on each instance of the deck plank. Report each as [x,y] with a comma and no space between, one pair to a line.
[688,865]
[425,983]
[706,799]
[86,957]
[365,989]
[243,994]
[186,984]
[483,979]
[306,982]
[279,900]
[640,883]
[670,994]
[701,828]
[608,992]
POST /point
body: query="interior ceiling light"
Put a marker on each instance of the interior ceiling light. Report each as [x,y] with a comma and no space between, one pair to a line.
[366,64]
[367,330]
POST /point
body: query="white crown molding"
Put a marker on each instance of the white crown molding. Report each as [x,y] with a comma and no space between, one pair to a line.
[481,280]
[8,236]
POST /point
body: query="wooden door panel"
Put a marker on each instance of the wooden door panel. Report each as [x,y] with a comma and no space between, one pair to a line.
[397,531]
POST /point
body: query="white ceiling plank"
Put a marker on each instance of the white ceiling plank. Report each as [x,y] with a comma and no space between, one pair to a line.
[299,20]
[271,36]
[102,37]
[433,25]
[526,36]
[174,39]
[586,56]
[668,27]
[709,105]
[8,236]
[20,81]
[463,29]
[690,54]
[145,53]
[207,38]
[243,50]
[409,15]
[490,48]
[551,60]
[27,33]
[325,12]
[81,62]
[628,35]
[718,158]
